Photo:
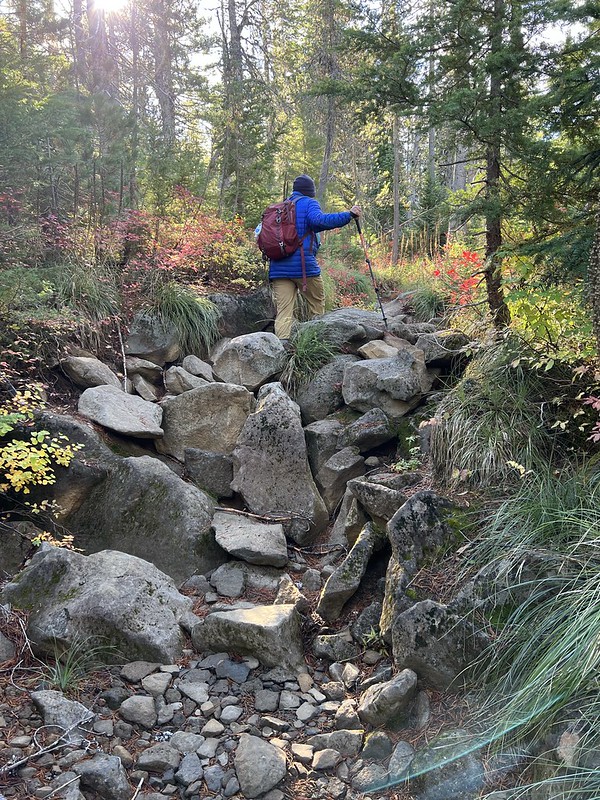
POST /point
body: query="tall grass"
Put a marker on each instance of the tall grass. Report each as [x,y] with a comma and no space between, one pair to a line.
[541,676]
[91,291]
[490,422]
[194,317]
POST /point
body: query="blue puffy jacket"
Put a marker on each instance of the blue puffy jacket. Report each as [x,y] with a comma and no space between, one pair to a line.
[309,218]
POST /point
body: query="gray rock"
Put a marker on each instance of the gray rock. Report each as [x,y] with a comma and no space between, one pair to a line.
[196,691]
[370,430]
[146,390]
[417,530]
[322,395]
[349,522]
[152,339]
[335,647]
[266,700]
[346,717]
[443,348]
[271,469]
[437,643]
[190,770]
[156,684]
[110,407]
[259,766]
[69,715]
[252,541]
[344,582]
[136,671]
[366,626]
[145,509]
[311,580]
[322,441]
[400,761]
[212,472]
[88,372]
[388,703]
[377,747]
[148,370]
[335,474]
[244,313]
[347,742]
[159,758]
[104,775]
[196,366]
[7,648]
[208,418]
[213,777]
[371,778]
[269,633]
[395,385]
[106,597]
[377,349]
[289,594]
[349,328]
[378,501]
[325,759]
[139,710]
[179,380]
[447,769]
[229,580]
[250,360]
[186,742]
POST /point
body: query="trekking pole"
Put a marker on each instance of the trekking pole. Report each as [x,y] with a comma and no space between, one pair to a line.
[368,260]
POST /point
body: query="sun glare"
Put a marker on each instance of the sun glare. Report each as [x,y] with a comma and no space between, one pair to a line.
[110,6]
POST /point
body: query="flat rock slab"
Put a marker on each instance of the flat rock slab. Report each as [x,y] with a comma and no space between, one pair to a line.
[269,633]
[252,541]
[88,372]
[120,412]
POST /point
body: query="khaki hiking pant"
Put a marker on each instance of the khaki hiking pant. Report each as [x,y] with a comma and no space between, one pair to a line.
[285,291]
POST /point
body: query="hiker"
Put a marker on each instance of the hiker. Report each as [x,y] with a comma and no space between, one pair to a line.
[286,274]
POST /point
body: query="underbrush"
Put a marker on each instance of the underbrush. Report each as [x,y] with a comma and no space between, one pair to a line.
[540,677]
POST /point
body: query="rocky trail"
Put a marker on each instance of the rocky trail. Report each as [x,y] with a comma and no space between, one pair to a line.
[259,581]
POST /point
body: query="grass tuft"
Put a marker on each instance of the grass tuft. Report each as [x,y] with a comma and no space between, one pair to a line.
[195,318]
[309,351]
[72,664]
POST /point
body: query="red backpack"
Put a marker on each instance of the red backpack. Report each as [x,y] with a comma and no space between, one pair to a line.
[278,237]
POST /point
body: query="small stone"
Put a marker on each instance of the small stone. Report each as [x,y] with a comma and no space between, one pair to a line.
[212,728]
[266,700]
[213,777]
[186,742]
[305,682]
[136,670]
[377,746]
[208,748]
[317,695]
[288,700]
[334,690]
[325,759]
[259,765]
[371,657]
[231,714]
[20,741]
[105,727]
[124,755]
[346,717]
[306,711]
[303,753]
[311,580]
[139,710]
[371,778]
[156,684]
[159,758]
[190,770]
[198,692]
[350,675]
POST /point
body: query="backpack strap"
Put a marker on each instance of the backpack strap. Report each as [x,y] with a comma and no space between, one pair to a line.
[302,256]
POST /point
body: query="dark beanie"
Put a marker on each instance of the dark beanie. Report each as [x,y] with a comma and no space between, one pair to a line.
[304,185]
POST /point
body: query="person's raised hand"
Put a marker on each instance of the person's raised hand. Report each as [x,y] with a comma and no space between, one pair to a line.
[356,211]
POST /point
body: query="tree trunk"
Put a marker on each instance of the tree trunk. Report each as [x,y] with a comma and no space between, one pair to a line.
[594,282]
[163,71]
[396,189]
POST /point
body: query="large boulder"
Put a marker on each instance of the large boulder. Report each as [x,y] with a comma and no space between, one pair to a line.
[443,348]
[271,470]
[120,412]
[88,372]
[244,313]
[112,601]
[145,509]
[419,529]
[322,394]
[396,385]
[153,340]
[349,328]
[323,441]
[208,418]
[379,501]
[437,643]
[335,474]
[370,430]
[212,472]
[252,541]
[269,633]
[250,360]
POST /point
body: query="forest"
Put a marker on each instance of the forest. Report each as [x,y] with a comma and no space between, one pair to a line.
[140,142]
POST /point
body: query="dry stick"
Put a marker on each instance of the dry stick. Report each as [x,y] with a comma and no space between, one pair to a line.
[60,788]
[139,786]
[122,355]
